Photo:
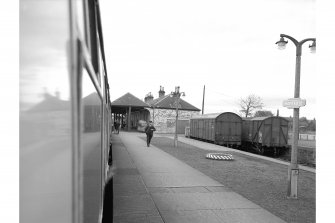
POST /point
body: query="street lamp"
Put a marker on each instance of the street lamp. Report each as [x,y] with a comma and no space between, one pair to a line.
[293,170]
[176,94]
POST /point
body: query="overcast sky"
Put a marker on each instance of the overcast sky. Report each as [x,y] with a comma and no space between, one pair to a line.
[229,46]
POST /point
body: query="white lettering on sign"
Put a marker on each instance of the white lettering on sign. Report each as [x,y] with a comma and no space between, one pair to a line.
[294,103]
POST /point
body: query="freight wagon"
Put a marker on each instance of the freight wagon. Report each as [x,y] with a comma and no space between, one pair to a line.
[220,128]
[265,134]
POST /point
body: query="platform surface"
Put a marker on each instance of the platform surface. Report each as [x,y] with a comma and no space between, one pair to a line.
[153,186]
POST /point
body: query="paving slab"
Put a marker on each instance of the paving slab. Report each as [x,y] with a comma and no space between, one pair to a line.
[246,216]
[202,201]
[198,216]
[129,188]
[138,218]
[135,204]
[176,180]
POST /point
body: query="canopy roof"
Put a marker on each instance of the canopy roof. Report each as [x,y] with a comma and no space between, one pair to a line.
[122,104]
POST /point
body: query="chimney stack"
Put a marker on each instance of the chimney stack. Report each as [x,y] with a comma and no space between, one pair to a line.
[57,93]
[148,97]
[161,91]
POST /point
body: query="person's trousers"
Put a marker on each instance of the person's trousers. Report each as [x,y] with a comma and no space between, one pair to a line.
[149,136]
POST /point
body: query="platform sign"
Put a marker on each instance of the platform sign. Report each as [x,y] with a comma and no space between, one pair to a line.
[294,103]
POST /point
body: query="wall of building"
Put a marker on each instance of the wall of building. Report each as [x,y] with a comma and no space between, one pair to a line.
[139,115]
[164,119]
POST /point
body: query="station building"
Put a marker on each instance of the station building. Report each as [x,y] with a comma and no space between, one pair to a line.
[161,111]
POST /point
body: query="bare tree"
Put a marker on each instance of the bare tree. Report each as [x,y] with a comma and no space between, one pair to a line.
[250,104]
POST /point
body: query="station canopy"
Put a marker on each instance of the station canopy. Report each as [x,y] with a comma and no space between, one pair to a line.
[122,104]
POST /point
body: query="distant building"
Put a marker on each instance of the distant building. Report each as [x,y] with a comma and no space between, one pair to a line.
[163,112]
[129,110]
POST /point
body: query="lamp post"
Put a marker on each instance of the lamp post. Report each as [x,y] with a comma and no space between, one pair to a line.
[176,94]
[293,170]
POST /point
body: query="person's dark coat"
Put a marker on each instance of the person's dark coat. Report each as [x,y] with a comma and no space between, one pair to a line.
[149,130]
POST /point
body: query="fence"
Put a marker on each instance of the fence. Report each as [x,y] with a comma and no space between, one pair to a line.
[308,137]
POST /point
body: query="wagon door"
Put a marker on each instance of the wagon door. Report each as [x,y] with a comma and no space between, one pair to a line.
[234,123]
[267,132]
[283,133]
[218,131]
[225,129]
[246,130]
[238,131]
[257,131]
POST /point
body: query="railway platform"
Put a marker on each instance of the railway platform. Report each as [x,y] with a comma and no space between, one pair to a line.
[153,186]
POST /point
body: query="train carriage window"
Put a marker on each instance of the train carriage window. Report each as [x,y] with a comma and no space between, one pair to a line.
[101,69]
[91,149]
[86,25]
[80,10]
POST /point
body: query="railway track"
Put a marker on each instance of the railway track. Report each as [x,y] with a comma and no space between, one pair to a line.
[306,155]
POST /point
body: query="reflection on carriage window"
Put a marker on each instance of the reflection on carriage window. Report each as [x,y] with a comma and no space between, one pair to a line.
[91,148]
[91,105]
[92,113]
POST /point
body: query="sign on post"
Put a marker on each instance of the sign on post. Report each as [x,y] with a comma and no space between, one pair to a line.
[294,103]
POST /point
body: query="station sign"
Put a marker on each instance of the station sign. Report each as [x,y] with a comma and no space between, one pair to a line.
[294,103]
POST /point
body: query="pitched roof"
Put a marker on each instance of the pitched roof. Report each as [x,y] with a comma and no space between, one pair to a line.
[92,99]
[50,103]
[168,102]
[129,100]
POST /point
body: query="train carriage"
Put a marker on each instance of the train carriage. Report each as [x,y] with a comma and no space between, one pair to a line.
[220,128]
[266,134]
[65,112]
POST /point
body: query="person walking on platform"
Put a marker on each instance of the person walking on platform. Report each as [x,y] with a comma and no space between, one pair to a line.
[149,130]
[117,127]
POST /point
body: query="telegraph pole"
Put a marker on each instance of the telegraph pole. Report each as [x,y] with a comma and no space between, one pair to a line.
[203,100]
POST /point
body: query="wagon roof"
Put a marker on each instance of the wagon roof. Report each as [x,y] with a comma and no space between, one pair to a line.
[260,118]
[204,116]
[210,115]
[263,118]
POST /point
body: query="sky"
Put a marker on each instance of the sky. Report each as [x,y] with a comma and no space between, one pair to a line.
[227,46]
